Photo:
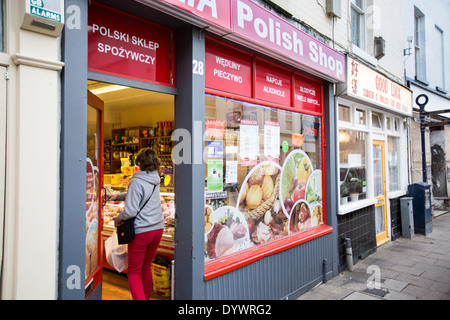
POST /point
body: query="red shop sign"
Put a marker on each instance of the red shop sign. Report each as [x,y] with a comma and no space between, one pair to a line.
[228,70]
[120,44]
[272,84]
[307,95]
[217,12]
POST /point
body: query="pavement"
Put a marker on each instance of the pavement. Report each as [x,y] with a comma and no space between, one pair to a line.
[404,269]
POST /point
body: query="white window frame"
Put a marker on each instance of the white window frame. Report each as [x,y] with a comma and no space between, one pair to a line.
[362,23]
[419,45]
[374,133]
[442,53]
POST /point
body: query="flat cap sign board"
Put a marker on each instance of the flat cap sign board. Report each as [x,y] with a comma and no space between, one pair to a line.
[44,16]
[124,45]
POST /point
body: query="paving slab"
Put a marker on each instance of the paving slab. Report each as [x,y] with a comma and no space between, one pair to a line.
[360,296]
[394,285]
[409,269]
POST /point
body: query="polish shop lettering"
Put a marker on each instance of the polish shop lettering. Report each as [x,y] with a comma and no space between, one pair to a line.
[124,52]
[256,23]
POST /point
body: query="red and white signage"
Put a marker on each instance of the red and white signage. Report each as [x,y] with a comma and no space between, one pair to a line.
[215,11]
[228,70]
[128,46]
[272,84]
[256,24]
[307,95]
[369,85]
[263,27]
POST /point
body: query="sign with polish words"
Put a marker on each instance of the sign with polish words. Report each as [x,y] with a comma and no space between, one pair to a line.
[272,84]
[123,45]
[268,30]
[307,95]
[228,70]
[256,24]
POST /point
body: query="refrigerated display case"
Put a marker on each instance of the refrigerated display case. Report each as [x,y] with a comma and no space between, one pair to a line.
[113,208]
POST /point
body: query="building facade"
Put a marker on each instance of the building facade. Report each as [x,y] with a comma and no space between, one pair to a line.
[255,90]
[30,144]
[426,43]
[374,113]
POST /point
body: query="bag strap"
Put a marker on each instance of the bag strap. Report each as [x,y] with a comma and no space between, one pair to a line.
[154,187]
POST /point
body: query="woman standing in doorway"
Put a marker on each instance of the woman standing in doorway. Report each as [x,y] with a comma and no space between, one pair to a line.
[148,224]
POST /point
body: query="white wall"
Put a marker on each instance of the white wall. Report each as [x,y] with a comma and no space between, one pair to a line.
[30,269]
[437,12]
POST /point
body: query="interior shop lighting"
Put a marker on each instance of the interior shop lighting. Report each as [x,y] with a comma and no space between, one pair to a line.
[111,88]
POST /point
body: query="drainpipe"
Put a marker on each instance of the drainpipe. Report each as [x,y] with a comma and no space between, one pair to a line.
[349,253]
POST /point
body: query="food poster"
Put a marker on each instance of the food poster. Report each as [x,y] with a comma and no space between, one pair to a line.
[215,175]
[274,201]
[301,192]
[93,199]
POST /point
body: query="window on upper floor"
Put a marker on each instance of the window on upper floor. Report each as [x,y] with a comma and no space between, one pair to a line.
[439,59]
[358,23]
[419,44]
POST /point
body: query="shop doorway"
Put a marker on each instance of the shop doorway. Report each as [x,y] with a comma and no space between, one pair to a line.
[94,177]
[379,175]
[2,160]
[131,119]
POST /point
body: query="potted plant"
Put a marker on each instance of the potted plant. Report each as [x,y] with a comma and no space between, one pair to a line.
[354,186]
[344,193]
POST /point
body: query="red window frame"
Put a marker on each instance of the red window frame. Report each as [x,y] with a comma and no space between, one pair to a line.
[237,260]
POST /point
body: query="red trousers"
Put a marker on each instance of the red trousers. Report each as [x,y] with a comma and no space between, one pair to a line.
[141,252]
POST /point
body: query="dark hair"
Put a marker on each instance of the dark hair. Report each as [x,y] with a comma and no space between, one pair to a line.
[147,160]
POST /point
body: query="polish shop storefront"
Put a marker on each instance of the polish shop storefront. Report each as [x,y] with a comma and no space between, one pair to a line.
[245,125]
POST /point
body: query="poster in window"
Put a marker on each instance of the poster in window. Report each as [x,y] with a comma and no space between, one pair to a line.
[272,141]
[215,175]
[249,142]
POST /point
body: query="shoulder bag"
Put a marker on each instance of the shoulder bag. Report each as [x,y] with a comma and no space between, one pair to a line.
[125,230]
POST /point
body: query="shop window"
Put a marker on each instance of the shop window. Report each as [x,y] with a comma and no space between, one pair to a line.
[263,176]
[388,123]
[394,163]
[377,120]
[360,117]
[352,165]
[344,113]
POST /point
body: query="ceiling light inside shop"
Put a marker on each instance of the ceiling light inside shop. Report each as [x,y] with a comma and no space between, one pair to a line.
[107,89]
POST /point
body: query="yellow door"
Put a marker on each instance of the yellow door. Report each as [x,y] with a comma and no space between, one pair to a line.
[379,175]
